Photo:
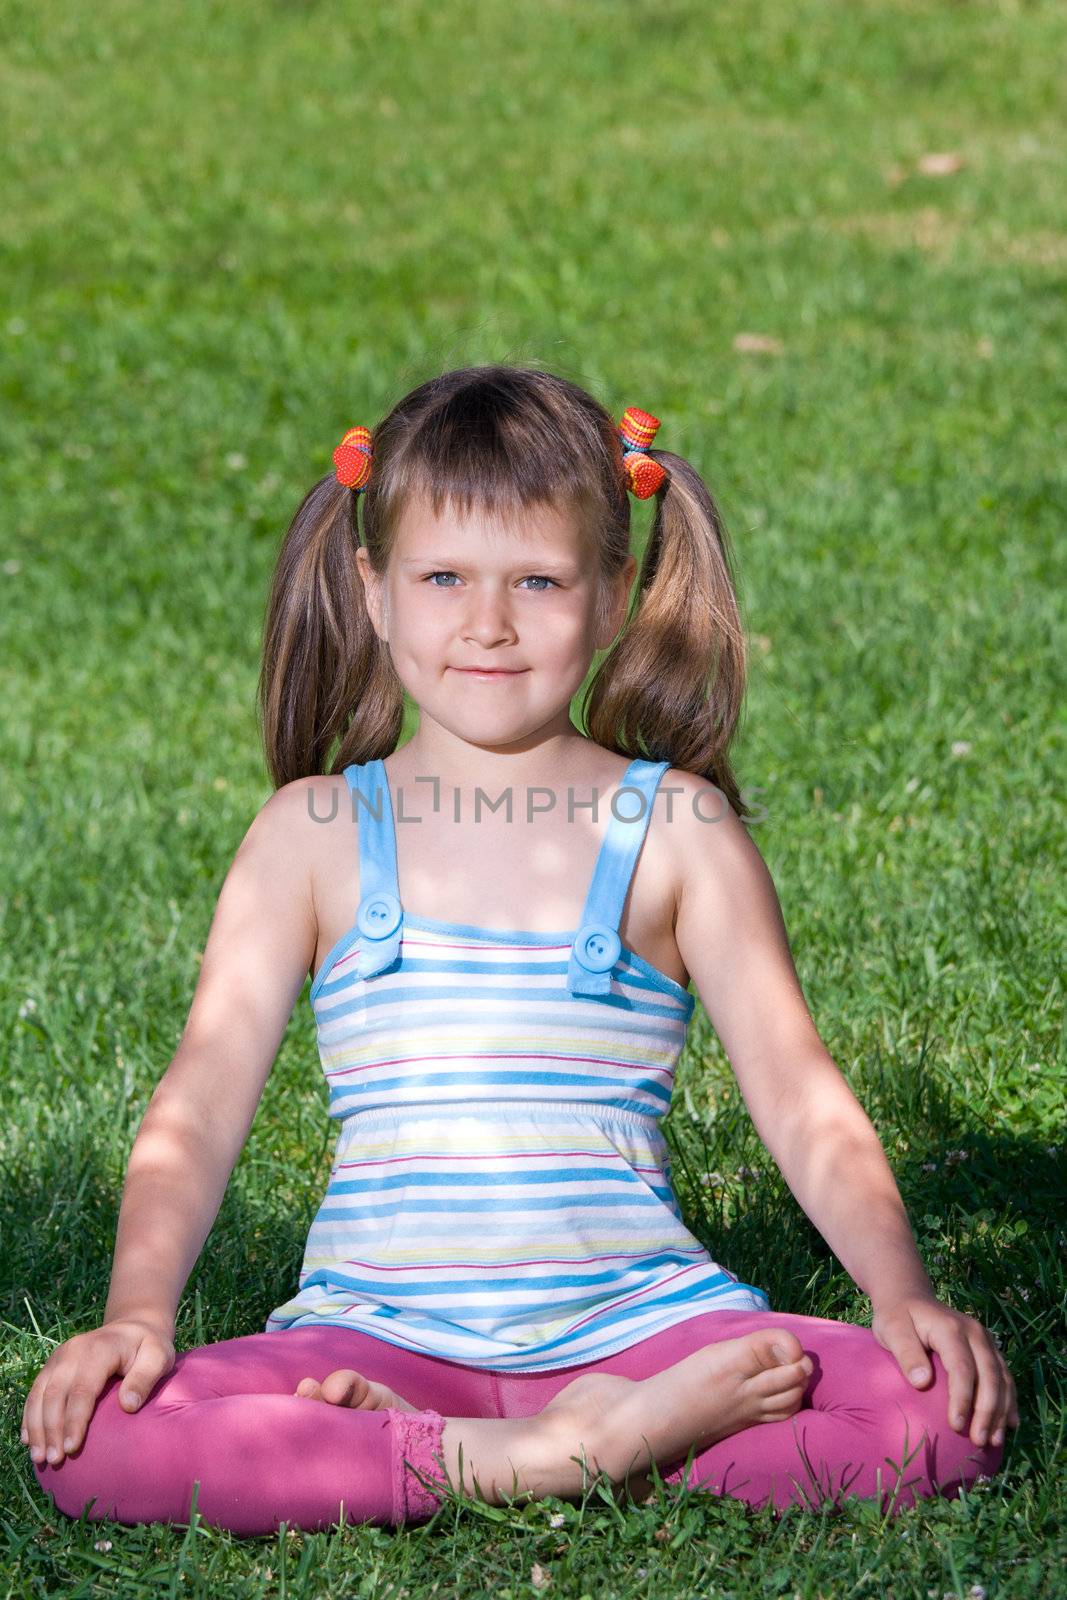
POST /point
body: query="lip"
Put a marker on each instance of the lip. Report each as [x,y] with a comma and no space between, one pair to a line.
[490,672]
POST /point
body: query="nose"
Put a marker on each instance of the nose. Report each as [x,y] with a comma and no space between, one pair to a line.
[487,619]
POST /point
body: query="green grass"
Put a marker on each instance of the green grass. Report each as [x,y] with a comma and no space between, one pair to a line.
[233,230]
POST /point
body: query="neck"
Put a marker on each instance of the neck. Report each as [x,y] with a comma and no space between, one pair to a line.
[539,758]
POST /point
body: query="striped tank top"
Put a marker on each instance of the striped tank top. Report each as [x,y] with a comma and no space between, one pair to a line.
[500,1193]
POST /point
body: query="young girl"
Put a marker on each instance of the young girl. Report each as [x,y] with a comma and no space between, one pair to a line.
[502,918]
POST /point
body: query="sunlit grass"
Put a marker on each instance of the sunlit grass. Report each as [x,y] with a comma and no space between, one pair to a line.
[234,230]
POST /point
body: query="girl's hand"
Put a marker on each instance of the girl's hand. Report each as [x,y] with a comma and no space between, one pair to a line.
[911,1326]
[64,1393]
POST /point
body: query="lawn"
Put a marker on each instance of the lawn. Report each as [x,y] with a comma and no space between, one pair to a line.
[827,246]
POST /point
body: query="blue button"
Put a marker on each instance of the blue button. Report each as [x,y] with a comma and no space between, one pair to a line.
[597,947]
[378,915]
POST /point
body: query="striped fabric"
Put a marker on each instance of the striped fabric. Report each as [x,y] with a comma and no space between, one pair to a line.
[500,1193]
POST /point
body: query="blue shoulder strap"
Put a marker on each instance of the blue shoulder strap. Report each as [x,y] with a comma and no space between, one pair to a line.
[380,917]
[597,945]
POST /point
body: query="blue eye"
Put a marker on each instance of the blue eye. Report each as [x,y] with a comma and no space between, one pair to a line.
[534,577]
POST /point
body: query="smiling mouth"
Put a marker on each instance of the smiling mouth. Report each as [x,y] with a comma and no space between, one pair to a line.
[491,672]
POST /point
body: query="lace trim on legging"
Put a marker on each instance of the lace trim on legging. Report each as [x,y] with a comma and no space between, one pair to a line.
[416,1439]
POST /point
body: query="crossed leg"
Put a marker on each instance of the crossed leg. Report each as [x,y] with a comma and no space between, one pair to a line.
[835,1417]
[605,1422]
[227,1427]
[862,1428]
[761,1424]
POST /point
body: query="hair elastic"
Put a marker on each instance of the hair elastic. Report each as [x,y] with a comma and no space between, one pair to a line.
[637,430]
[352,459]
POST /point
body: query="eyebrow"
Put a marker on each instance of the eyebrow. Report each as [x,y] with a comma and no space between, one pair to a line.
[451,564]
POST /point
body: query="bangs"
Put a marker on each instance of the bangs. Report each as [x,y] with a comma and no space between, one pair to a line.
[486,451]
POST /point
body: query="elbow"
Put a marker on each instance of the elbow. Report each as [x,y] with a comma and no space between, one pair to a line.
[821,1117]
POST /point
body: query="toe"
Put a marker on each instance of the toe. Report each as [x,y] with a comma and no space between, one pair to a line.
[773,1382]
[787,1347]
[345,1388]
[772,1347]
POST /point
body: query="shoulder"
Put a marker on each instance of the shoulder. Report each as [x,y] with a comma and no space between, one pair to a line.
[696,801]
[304,838]
[302,816]
[710,849]
[304,801]
[731,935]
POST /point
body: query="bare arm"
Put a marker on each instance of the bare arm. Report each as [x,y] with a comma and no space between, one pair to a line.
[259,949]
[834,1162]
[732,937]
[258,952]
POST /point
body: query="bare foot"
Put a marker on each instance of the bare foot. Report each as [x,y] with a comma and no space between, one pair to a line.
[347,1388]
[611,1424]
[718,1390]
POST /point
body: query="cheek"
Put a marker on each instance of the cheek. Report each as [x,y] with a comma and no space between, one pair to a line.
[578,629]
[568,645]
[419,623]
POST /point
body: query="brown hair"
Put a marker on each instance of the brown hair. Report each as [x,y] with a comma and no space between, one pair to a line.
[504,439]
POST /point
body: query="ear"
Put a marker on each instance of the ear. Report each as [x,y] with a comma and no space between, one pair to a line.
[614,604]
[372,592]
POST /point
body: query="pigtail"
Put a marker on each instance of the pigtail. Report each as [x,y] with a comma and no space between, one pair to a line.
[506,439]
[672,686]
[321,656]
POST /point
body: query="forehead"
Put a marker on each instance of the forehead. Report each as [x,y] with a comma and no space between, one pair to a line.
[544,528]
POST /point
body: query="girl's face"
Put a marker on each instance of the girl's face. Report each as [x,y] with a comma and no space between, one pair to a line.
[520,602]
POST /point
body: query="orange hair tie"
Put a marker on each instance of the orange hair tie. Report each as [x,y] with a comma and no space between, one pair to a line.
[352,459]
[637,430]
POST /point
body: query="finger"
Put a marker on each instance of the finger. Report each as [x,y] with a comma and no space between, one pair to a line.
[1007,1390]
[34,1416]
[72,1396]
[24,1425]
[989,1392]
[29,1411]
[142,1375]
[959,1366]
[910,1354]
[81,1403]
[1011,1408]
[53,1415]
[1002,1419]
[914,1362]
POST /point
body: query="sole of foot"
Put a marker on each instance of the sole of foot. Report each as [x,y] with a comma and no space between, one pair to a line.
[718,1390]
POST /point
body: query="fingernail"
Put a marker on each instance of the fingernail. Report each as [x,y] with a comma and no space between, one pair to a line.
[37,1454]
[981,1439]
[130,1399]
[957,1421]
[68,1444]
[24,1436]
[998,1437]
[917,1374]
[53,1453]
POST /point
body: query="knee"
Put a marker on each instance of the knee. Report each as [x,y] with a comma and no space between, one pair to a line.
[74,1489]
[933,1458]
[87,1480]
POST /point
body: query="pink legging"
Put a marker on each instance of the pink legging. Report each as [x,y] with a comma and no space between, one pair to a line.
[226,1416]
